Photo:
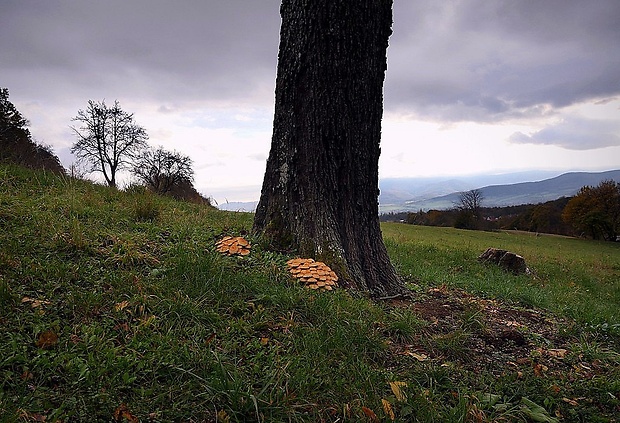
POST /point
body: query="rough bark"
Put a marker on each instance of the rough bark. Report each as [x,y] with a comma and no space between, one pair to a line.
[320,191]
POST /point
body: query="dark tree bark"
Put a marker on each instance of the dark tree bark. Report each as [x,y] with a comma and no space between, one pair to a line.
[320,191]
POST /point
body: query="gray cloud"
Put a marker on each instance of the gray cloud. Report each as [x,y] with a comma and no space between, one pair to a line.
[483,60]
[219,51]
[448,61]
[574,133]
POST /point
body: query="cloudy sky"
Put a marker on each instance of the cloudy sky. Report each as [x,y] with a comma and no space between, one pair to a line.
[473,86]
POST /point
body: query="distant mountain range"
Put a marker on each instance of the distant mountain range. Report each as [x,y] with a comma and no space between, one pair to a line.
[495,195]
[239,206]
[414,194]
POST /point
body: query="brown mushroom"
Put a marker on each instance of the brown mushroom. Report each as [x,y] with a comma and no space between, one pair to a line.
[233,246]
[313,274]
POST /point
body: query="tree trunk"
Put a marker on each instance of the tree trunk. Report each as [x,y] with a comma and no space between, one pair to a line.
[320,191]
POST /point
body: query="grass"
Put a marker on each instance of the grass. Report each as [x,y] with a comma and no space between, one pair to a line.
[116,306]
[573,277]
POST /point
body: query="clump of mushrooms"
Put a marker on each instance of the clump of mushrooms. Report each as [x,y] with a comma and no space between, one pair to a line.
[313,274]
[232,246]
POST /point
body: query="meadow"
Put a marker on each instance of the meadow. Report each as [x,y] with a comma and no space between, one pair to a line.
[116,306]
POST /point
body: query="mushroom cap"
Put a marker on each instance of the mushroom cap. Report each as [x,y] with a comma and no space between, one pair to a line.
[313,274]
[231,246]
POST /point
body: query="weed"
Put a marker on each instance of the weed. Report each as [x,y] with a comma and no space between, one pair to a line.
[403,325]
[146,208]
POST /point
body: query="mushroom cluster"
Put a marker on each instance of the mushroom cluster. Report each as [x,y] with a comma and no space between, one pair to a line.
[313,274]
[233,246]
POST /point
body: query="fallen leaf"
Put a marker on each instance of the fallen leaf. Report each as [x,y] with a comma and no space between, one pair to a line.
[557,352]
[419,357]
[398,392]
[539,369]
[122,413]
[223,417]
[570,401]
[33,417]
[122,305]
[34,303]
[555,388]
[264,341]
[387,407]
[370,414]
[46,340]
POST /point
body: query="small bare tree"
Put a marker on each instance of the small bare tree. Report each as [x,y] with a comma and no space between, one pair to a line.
[471,201]
[108,139]
[162,170]
[469,205]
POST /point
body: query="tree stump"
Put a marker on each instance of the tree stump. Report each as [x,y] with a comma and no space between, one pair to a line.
[507,260]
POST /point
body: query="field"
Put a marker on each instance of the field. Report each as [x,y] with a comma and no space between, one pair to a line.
[116,306]
[575,278]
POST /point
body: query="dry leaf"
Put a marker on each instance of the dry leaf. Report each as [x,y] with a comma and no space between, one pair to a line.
[122,413]
[370,414]
[34,303]
[223,417]
[539,369]
[122,305]
[419,357]
[398,392]
[264,341]
[570,401]
[557,352]
[46,340]
[387,407]
[33,417]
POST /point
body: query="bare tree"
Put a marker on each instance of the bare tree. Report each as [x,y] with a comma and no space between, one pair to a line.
[108,139]
[471,201]
[320,190]
[161,170]
[469,205]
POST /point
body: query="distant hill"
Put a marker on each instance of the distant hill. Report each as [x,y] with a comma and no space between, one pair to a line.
[395,192]
[564,185]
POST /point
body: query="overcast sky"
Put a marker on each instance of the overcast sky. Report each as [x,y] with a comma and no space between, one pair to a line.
[473,86]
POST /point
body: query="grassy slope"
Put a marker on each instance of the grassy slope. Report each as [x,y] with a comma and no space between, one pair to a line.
[110,299]
[576,278]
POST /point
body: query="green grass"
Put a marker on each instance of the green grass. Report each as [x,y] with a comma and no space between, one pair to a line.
[575,278]
[115,302]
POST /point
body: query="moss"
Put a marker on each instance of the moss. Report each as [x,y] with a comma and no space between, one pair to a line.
[277,237]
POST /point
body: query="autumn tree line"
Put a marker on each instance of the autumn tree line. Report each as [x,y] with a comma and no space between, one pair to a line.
[108,141]
[594,212]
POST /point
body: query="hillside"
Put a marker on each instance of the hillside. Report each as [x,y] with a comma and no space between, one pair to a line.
[116,306]
[565,185]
